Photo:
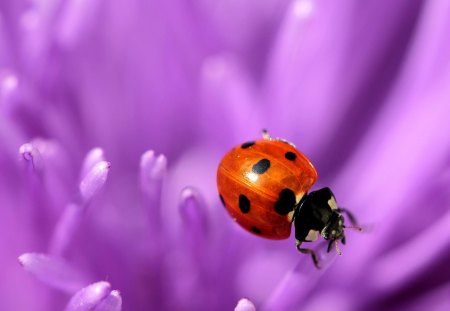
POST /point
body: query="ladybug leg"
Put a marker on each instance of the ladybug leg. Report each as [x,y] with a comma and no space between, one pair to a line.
[343,240]
[329,246]
[349,215]
[310,252]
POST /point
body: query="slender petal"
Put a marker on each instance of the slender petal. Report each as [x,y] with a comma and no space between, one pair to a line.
[91,296]
[193,211]
[398,264]
[65,229]
[245,305]
[153,169]
[113,302]
[77,18]
[94,180]
[93,157]
[9,84]
[226,84]
[298,283]
[32,158]
[152,172]
[54,272]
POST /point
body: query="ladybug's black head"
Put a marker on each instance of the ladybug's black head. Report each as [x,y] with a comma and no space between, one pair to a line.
[334,229]
[317,213]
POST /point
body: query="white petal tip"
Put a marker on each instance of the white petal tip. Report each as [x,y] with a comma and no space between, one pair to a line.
[94,156]
[90,297]
[94,180]
[152,166]
[245,305]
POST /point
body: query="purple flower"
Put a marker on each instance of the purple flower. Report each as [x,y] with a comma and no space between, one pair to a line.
[115,114]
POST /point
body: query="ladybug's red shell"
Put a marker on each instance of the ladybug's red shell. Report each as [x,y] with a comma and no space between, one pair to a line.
[261,182]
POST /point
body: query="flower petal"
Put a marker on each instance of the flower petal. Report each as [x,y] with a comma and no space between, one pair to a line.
[153,169]
[53,271]
[94,180]
[65,229]
[113,302]
[398,264]
[299,282]
[152,172]
[94,156]
[76,19]
[32,157]
[89,297]
[245,305]
[193,213]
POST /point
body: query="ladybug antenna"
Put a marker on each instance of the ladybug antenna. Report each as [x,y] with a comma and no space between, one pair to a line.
[353,227]
[338,250]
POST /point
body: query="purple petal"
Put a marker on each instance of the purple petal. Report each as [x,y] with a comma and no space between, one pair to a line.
[152,172]
[9,84]
[193,213]
[53,271]
[93,157]
[113,302]
[32,157]
[398,265]
[94,180]
[245,305]
[90,297]
[153,168]
[65,229]
[76,19]
[234,95]
[436,299]
[299,282]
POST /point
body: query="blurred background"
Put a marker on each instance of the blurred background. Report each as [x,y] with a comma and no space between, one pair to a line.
[362,88]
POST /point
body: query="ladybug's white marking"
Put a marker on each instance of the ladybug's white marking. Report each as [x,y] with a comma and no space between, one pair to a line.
[312,235]
[299,196]
[332,203]
[290,215]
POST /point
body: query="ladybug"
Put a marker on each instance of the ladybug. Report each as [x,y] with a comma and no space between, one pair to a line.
[264,186]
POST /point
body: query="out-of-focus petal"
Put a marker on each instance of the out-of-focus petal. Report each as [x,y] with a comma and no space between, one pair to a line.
[396,268]
[94,156]
[32,158]
[113,302]
[301,281]
[229,102]
[245,305]
[76,20]
[193,213]
[153,170]
[65,229]
[328,72]
[91,296]
[54,271]
[94,180]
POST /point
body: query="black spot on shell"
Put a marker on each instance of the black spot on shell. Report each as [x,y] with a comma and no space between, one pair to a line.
[286,202]
[244,204]
[261,167]
[290,156]
[247,144]
[222,200]
[255,230]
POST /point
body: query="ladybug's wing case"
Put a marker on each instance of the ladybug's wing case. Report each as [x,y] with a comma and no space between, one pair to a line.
[260,183]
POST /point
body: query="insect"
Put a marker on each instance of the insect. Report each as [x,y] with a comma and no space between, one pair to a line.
[264,186]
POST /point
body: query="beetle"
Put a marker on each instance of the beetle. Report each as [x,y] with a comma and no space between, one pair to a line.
[264,186]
